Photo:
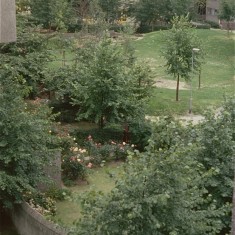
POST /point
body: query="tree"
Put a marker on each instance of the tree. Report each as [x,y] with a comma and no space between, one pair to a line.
[22,6]
[180,41]
[81,8]
[25,139]
[110,8]
[106,85]
[28,56]
[25,144]
[227,11]
[161,192]
[216,151]
[148,12]
[51,13]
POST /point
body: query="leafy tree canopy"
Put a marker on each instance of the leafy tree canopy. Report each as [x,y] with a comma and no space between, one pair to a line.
[107,85]
[227,10]
[51,13]
[111,8]
[28,56]
[178,52]
[25,143]
[25,139]
[147,11]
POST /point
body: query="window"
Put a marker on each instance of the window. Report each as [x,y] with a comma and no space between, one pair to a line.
[212,11]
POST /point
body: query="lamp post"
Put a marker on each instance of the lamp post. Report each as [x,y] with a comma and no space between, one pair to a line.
[191,90]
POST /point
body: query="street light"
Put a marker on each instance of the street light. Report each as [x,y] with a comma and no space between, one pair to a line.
[191,90]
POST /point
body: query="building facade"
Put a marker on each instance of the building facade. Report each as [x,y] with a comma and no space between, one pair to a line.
[7,21]
[211,12]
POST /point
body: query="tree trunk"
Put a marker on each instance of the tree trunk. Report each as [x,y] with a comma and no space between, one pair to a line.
[199,79]
[177,87]
[126,134]
[101,122]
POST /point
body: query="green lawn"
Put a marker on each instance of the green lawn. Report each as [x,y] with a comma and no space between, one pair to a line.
[217,73]
[100,179]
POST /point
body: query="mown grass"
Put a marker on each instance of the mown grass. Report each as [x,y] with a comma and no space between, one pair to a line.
[100,179]
[217,73]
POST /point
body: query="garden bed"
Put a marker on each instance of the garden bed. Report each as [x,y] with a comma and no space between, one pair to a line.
[99,179]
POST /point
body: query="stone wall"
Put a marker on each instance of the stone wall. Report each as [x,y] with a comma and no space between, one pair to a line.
[30,222]
[7,21]
[53,173]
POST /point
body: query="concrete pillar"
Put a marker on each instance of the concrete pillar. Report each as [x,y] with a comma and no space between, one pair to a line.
[7,21]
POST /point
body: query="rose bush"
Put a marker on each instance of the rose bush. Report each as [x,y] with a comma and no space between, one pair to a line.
[108,151]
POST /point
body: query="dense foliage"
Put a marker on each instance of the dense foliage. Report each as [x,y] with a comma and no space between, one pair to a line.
[227,11]
[110,8]
[171,188]
[28,56]
[182,182]
[148,12]
[107,85]
[78,14]
[54,14]
[25,143]
[216,150]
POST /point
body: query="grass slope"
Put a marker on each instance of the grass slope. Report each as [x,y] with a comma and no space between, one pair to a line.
[217,73]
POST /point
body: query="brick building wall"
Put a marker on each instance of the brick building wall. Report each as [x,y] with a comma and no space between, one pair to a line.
[212,10]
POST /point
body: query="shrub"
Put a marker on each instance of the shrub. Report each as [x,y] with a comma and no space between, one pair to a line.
[213,24]
[149,28]
[99,135]
[72,28]
[41,203]
[201,25]
[67,112]
[58,193]
[108,151]
[73,165]
[116,27]
[140,133]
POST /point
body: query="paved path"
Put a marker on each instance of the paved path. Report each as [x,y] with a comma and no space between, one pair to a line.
[195,119]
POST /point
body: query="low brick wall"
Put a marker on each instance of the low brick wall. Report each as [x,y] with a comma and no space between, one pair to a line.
[225,25]
[30,222]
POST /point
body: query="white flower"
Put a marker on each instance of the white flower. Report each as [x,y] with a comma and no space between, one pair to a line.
[89,165]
